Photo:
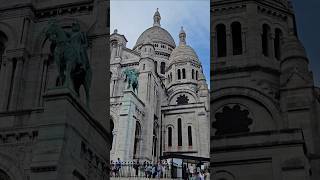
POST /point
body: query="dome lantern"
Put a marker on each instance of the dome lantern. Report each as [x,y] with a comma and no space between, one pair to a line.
[156,18]
[182,37]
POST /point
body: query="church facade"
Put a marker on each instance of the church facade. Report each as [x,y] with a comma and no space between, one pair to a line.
[264,104]
[168,111]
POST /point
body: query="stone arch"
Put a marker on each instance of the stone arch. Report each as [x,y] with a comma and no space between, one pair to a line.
[239,19]
[279,26]
[4,175]
[8,165]
[11,34]
[223,175]
[251,94]
[263,21]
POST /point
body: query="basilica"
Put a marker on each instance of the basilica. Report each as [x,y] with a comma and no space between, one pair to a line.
[161,108]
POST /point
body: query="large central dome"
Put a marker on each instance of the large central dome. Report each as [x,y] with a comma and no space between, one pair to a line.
[156,34]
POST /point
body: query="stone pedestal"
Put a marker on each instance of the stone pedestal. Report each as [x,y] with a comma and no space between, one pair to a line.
[71,143]
[127,124]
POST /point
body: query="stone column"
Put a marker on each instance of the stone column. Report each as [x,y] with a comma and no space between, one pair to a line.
[16,84]
[229,43]
[271,46]
[6,84]
[2,78]
[244,48]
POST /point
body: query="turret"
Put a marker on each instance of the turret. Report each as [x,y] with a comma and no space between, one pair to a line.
[147,62]
[117,43]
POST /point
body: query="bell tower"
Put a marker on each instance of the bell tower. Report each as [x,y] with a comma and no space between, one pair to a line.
[263,99]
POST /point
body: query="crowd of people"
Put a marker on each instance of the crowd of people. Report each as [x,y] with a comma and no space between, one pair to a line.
[155,170]
[149,170]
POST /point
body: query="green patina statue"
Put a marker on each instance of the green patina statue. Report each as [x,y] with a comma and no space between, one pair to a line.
[132,78]
[70,55]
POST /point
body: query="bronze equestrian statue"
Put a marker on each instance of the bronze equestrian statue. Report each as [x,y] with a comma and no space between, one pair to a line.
[70,55]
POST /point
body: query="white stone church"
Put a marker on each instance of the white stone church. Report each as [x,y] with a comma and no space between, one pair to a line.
[169,112]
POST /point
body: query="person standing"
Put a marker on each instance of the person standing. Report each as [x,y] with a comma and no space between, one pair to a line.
[136,167]
[118,168]
[159,170]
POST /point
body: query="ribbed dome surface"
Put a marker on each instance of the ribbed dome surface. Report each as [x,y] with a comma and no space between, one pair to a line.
[183,53]
[156,34]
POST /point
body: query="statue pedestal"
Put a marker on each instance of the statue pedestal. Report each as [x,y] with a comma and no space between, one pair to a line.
[126,126]
[70,141]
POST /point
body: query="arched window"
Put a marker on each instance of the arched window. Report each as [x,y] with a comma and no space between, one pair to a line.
[232,119]
[183,73]
[265,40]
[192,74]
[163,68]
[3,41]
[196,75]
[182,99]
[189,136]
[236,38]
[179,132]
[221,40]
[137,138]
[277,44]
[169,136]
[179,74]
[156,67]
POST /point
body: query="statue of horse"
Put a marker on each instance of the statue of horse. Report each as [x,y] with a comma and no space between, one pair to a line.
[132,78]
[74,69]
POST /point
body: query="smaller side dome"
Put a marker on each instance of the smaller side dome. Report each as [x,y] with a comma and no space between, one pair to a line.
[183,52]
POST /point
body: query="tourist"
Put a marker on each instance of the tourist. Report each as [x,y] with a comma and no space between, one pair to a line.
[159,170]
[154,171]
[118,168]
[136,167]
[207,175]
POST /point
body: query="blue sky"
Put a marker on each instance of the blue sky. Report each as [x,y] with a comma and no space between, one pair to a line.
[308,24]
[132,17]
